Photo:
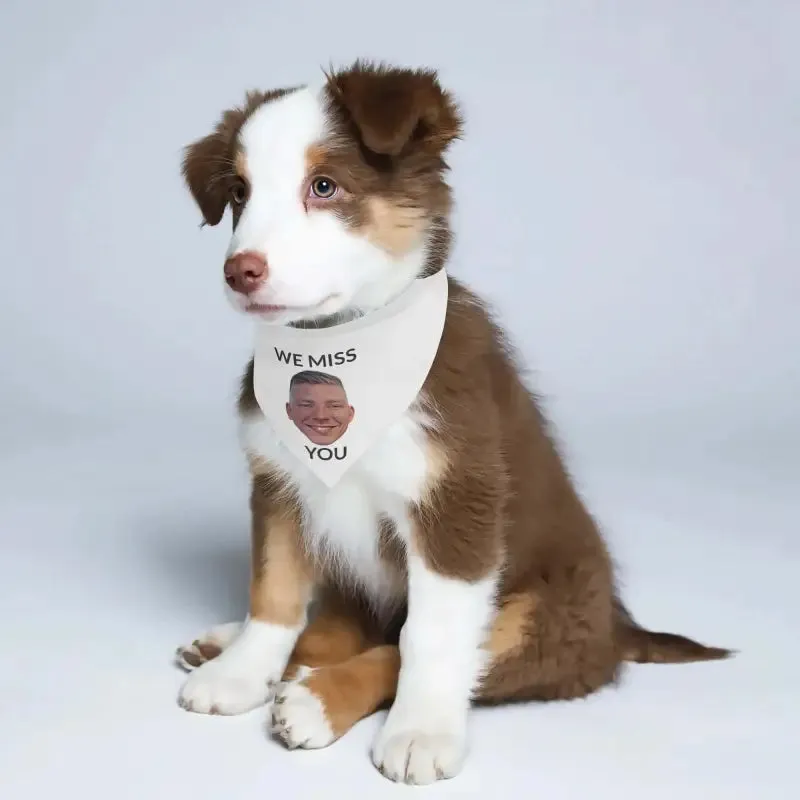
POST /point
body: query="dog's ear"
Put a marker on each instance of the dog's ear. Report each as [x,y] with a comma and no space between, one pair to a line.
[208,166]
[394,109]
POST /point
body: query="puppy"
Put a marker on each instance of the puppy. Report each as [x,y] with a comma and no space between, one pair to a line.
[454,564]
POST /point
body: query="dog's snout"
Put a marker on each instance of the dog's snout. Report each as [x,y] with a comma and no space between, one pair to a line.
[245,272]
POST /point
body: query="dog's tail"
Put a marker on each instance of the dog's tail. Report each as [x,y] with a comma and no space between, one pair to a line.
[650,647]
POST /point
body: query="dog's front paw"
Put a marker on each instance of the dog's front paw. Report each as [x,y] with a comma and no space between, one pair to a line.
[207,646]
[216,688]
[417,757]
[420,753]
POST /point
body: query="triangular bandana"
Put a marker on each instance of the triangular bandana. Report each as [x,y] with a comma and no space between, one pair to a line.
[329,393]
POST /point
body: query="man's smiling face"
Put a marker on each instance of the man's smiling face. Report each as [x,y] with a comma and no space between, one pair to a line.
[320,411]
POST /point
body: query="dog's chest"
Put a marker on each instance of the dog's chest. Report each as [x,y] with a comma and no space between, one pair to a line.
[343,523]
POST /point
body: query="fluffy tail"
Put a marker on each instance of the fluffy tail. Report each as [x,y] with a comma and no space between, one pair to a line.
[650,647]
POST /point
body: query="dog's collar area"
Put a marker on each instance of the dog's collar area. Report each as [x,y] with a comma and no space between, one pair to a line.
[328,320]
[395,302]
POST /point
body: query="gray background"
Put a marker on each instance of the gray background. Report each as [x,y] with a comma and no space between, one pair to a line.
[625,191]
[627,197]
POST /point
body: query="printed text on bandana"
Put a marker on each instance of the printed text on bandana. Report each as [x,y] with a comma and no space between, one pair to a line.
[319,360]
[331,395]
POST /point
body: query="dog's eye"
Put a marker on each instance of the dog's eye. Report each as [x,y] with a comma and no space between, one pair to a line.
[238,193]
[324,188]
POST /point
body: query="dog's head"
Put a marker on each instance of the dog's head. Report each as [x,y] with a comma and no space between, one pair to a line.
[337,193]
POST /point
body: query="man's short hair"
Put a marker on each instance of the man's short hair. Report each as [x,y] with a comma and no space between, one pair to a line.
[313,378]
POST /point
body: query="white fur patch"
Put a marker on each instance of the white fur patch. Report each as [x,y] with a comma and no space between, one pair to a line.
[341,524]
[244,675]
[419,758]
[317,265]
[298,716]
[424,737]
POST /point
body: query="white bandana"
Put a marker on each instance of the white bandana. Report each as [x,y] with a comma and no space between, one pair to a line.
[351,381]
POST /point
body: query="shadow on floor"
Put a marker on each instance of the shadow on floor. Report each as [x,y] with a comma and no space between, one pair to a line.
[199,561]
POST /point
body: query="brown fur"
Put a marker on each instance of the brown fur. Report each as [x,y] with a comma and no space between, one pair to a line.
[507,637]
[212,165]
[282,577]
[396,111]
[336,634]
[499,495]
[395,227]
[352,689]
[355,688]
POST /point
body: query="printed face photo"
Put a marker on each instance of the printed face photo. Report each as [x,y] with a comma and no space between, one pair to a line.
[318,406]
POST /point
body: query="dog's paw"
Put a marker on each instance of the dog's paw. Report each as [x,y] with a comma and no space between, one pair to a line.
[217,688]
[419,758]
[298,715]
[420,754]
[207,646]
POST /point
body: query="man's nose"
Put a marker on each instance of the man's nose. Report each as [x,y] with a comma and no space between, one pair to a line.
[245,272]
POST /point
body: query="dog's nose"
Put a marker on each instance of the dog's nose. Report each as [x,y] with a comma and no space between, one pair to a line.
[245,272]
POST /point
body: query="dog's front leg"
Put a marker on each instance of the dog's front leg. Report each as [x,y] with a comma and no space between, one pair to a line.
[453,561]
[245,673]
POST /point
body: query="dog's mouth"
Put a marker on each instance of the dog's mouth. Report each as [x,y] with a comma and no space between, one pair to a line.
[294,310]
[326,312]
[266,308]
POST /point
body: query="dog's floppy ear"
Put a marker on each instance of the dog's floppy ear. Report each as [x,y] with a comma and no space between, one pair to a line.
[208,166]
[396,108]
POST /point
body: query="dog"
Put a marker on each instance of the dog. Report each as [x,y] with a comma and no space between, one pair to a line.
[454,564]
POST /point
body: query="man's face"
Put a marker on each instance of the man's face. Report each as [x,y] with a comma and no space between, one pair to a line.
[320,411]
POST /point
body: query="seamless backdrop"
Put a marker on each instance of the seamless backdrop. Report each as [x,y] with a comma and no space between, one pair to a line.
[628,190]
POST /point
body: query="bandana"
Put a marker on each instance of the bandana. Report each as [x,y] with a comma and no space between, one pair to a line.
[329,393]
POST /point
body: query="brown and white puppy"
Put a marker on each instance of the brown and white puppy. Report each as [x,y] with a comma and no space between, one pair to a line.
[455,563]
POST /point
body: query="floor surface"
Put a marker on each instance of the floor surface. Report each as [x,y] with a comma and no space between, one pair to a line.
[117,548]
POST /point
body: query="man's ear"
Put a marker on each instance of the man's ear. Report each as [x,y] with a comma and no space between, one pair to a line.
[393,108]
[208,163]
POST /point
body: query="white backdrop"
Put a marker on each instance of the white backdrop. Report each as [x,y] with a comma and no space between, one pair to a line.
[628,193]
